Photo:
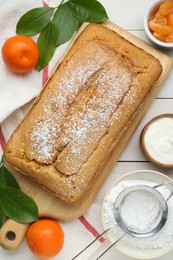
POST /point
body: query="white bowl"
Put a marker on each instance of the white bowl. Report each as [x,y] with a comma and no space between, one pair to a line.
[147,151]
[150,10]
[138,247]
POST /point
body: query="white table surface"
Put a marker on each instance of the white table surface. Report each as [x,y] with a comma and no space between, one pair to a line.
[128,15]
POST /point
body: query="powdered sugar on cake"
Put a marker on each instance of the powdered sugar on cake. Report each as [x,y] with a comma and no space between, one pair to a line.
[98,86]
[82,138]
[42,146]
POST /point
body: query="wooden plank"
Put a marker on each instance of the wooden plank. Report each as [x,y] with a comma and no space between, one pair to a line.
[122,168]
[124,13]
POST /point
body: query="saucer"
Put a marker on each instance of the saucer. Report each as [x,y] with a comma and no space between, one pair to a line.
[158,241]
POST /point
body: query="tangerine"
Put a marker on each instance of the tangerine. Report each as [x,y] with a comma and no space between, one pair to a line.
[45,238]
[20,53]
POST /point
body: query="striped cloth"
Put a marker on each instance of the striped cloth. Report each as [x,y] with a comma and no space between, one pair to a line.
[20,86]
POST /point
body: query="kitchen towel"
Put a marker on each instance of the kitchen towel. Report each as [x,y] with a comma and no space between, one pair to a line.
[18,89]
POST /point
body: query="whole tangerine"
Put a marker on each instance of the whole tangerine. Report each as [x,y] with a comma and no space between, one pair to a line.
[20,53]
[45,238]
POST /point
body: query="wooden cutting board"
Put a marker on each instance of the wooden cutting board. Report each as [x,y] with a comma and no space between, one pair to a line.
[51,206]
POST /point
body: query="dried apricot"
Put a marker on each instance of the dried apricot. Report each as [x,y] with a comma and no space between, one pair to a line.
[160,28]
[166,8]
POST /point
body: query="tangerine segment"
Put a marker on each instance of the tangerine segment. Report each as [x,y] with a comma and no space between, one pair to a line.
[160,28]
[169,38]
[158,18]
[166,8]
[20,53]
[45,238]
[170,20]
[159,37]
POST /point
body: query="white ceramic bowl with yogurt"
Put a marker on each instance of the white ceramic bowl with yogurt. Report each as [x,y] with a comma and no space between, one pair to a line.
[157,140]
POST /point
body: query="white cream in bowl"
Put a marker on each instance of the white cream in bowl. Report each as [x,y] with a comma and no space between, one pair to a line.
[157,140]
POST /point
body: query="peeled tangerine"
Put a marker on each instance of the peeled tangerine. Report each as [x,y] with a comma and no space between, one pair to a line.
[170,20]
[158,18]
[161,23]
[166,8]
[169,38]
[160,28]
[159,37]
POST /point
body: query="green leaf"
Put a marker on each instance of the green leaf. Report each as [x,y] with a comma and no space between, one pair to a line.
[57,27]
[7,179]
[17,205]
[2,217]
[46,46]
[2,161]
[88,10]
[34,21]
[64,24]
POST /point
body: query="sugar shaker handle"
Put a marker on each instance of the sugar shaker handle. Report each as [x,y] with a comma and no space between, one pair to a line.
[165,184]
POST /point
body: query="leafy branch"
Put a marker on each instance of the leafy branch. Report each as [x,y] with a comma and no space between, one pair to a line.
[14,203]
[57,25]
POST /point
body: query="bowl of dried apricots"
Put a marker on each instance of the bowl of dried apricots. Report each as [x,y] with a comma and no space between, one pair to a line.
[158,23]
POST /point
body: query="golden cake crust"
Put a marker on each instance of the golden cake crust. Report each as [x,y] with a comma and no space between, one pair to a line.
[82,113]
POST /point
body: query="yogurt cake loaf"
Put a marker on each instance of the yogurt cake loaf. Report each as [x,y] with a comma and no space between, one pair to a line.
[83,111]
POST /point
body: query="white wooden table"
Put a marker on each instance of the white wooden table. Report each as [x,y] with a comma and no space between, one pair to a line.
[128,15]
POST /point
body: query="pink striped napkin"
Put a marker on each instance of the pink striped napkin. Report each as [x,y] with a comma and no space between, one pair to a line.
[16,90]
